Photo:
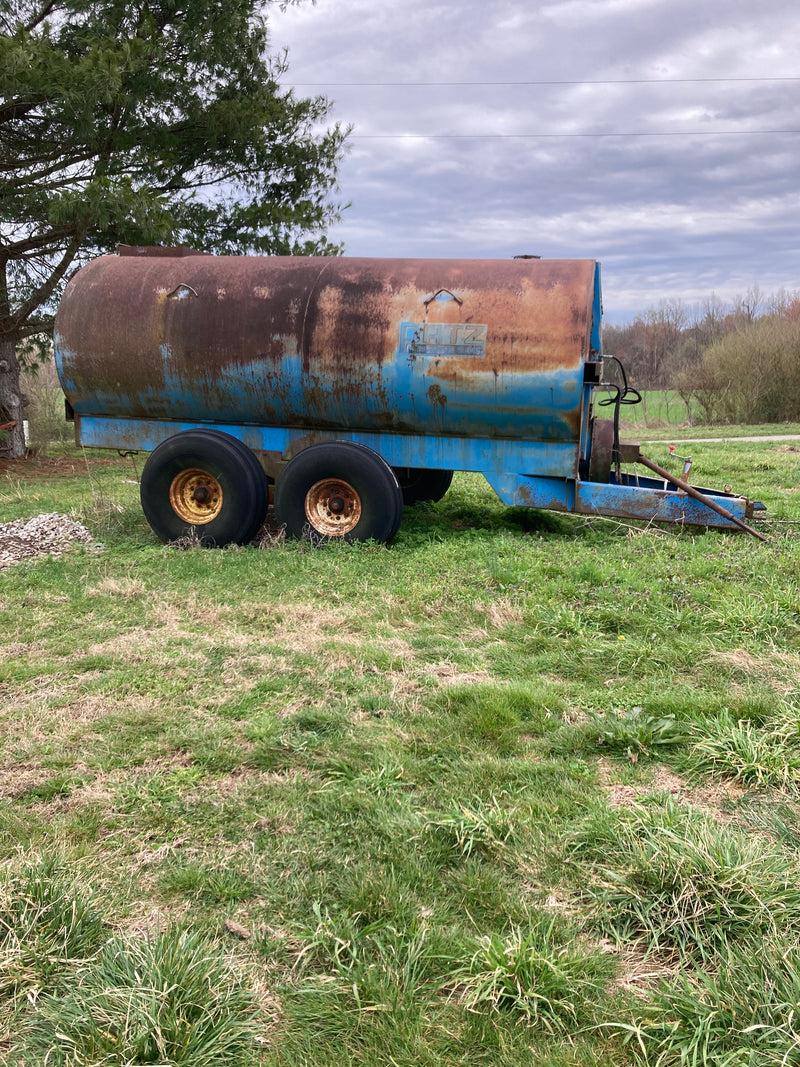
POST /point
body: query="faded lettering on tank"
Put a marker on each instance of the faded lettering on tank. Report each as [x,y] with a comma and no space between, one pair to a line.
[462,339]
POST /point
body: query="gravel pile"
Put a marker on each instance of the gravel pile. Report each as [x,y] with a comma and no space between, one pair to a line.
[43,535]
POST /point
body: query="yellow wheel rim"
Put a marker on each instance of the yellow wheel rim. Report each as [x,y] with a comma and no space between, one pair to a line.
[195,496]
[333,507]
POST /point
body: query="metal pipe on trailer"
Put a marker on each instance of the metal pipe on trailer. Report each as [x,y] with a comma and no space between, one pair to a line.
[697,495]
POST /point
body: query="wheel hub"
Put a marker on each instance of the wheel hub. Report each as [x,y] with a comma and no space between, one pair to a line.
[195,496]
[333,507]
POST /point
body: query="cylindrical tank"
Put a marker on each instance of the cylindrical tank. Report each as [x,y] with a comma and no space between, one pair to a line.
[476,348]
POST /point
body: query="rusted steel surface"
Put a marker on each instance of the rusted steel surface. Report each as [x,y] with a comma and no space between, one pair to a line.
[490,348]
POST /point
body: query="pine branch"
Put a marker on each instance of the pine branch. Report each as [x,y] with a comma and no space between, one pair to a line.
[44,292]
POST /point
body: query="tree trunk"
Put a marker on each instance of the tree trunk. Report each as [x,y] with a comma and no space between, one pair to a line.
[12,440]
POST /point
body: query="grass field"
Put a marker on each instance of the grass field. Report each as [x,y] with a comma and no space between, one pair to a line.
[663,412]
[520,789]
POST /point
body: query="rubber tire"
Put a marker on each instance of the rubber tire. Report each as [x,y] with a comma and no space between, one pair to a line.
[245,493]
[366,471]
[419,484]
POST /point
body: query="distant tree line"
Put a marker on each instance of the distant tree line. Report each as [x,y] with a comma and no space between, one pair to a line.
[737,362]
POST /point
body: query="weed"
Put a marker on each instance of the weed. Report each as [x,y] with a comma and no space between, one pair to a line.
[637,733]
[191,540]
[675,881]
[539,975]
[476,827]
[48,921]
[168,999]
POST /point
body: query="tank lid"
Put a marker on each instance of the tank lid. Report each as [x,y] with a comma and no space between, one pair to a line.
[159,251]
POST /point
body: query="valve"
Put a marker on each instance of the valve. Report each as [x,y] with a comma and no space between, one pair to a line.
[687,461]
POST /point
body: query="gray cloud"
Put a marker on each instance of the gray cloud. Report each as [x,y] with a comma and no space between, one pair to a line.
[670,215]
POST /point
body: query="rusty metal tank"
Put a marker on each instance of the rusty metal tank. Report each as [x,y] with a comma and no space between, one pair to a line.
[473,348]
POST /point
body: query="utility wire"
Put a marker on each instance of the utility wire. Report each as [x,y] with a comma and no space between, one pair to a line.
[562,82]
[554,136]
[599,81]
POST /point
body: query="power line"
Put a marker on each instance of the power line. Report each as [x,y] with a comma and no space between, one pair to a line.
[599,81]
[532,136]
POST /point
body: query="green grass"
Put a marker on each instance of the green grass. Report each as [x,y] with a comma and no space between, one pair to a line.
[440,803]
[47,921]
[673,881]
[663,412]
[760,754]
[742,1013]
[539,974]
[169,998]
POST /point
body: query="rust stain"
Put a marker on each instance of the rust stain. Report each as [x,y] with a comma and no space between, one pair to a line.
[197,334]
[437,397]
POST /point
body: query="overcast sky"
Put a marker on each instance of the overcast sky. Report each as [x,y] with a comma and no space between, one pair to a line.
[695,191]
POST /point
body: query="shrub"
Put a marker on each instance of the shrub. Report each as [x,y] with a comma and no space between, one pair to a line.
[44,409]
[751,375]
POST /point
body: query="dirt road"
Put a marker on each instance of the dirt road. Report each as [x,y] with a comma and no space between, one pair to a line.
[717,440]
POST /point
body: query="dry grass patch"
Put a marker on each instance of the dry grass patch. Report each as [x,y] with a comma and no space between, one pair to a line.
[18,779]
[143,919]
[780,670]
[92,794]
[122,587]
[270,1010]
[188,619]
[36,724]
[244,778]
[140,645]
[21,650]
[709,798]
[304,627]
[637,972]
[450,674]
[98,788]
[502,612]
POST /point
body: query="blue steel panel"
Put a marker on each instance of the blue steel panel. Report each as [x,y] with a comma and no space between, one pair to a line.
[648,502]
[527,491]
[553,487]
[485,455]
[656,505]
[414,394]
[596,341]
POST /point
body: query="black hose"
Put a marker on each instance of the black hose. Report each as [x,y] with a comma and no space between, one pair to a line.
[624,395]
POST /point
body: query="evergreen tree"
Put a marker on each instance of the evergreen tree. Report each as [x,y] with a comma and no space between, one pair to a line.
[145,122]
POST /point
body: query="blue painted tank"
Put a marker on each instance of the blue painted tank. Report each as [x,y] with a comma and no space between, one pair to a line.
[468,348]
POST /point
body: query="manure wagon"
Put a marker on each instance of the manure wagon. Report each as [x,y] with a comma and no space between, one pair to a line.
[347,388]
